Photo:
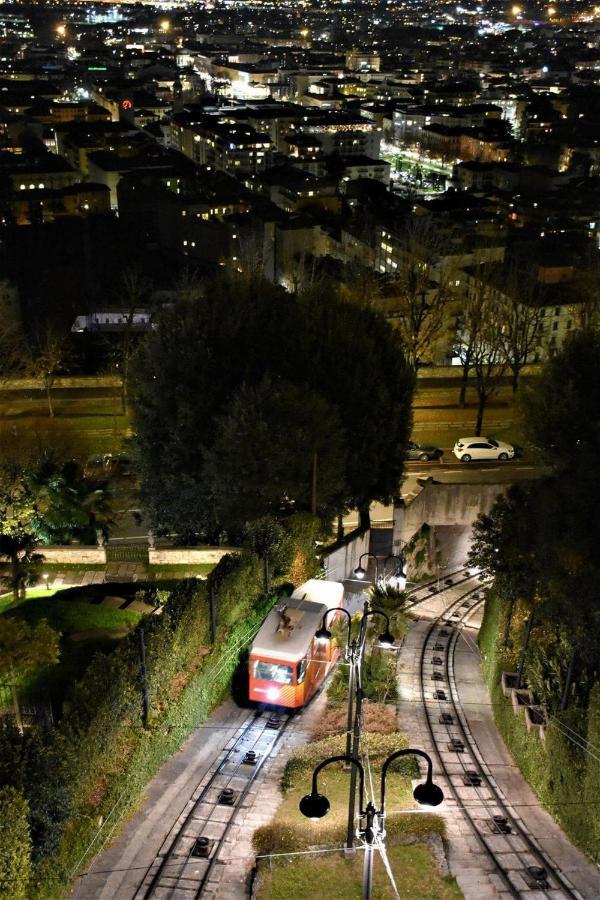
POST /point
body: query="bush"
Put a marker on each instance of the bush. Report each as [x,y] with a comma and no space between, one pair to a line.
[104,754]
[15,846]
[376,718]
[380,747]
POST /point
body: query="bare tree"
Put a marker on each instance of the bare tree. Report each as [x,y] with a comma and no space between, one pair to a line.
[49,360]
[13,344]
[479,343]
[423,291]
[521,315]
[133,295]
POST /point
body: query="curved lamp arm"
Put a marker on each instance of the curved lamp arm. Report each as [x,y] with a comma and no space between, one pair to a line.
[434,795]
[361,776]
[323,633]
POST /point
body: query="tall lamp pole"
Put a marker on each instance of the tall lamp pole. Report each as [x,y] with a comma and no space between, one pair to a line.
[361,573]
[315,805]
[355,655]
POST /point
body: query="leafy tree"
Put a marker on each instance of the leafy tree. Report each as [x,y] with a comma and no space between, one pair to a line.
[191,367]
[69,505]
[15,845]
[24,648]
[268,540]
[561,409]
[23,561]
[265,450]
[38,765]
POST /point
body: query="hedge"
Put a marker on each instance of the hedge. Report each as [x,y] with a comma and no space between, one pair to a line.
[565,779]
[112,754]
[15,845]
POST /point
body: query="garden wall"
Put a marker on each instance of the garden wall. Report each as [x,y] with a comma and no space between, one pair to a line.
[184,556]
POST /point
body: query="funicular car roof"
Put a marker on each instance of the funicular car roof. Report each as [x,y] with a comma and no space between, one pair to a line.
[289,646]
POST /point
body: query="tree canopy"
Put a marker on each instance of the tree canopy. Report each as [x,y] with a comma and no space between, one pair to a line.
[320,375]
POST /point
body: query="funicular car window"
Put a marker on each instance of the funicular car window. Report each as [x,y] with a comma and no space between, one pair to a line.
[267,671]
[301,671]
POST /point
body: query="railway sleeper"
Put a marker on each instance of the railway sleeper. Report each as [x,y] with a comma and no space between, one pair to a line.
[439,695]
[439,647]
[437,661]
[250,758]
[455,745]
[437,676]
[446,719]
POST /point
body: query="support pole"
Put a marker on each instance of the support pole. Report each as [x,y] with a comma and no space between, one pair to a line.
[213,615]
[144,677]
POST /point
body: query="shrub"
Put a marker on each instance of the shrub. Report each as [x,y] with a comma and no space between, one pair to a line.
[15,846]
[380,747]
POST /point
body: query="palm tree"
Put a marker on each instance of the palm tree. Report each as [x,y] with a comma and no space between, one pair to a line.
[20,549]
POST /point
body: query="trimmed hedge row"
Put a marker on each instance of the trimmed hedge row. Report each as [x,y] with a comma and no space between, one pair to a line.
[564,777]
[15,845]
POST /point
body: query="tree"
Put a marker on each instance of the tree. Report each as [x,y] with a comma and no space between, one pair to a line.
[520,315]
[133,295]
[488,356]
[272,443]
[192,366]
[23,561]
[69,505]
[49,361]
[423,293]
[561,408]
[15,845]
[39,765]
[23,648]
[269,541]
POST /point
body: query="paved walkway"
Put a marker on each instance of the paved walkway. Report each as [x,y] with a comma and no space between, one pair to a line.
[468,861]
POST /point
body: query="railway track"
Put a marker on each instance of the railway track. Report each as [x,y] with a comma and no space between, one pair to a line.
[430,589]
[186,864]
[522,865]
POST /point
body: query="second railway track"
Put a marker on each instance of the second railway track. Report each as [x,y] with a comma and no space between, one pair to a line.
[522,866]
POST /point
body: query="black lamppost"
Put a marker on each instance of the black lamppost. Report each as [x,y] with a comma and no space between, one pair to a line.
[315,805]
[361,573]
[323,634]
[355,655]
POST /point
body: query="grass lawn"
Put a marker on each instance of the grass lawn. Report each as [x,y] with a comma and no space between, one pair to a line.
[85,628]
[72,616]
[331,875]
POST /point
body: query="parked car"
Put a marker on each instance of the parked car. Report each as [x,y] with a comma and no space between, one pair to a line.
[470,448]
[424,452]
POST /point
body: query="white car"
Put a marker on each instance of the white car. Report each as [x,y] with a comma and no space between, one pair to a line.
[470,448]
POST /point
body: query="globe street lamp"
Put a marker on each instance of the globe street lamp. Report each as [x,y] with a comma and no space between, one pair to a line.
[399,574]
[316,805]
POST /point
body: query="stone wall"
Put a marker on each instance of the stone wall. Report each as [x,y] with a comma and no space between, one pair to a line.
[74,554]
[187,556]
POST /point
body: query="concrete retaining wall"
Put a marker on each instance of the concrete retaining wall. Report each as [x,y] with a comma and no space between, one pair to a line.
[449,510]
[188,556]
[341,559]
